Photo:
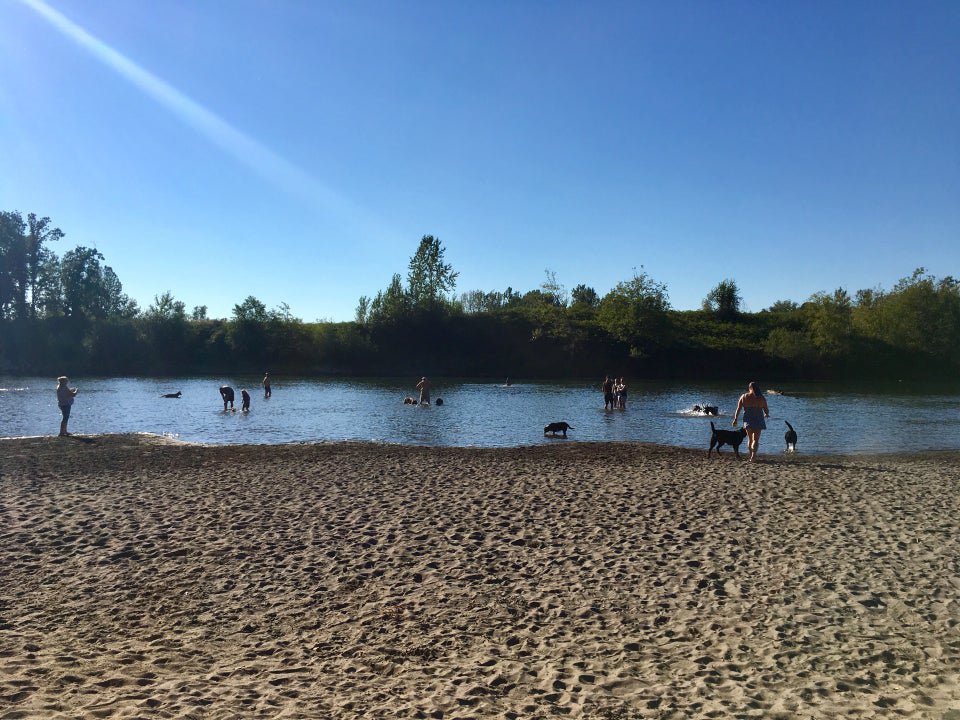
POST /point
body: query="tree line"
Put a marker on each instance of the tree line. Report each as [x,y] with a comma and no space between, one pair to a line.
[69,314]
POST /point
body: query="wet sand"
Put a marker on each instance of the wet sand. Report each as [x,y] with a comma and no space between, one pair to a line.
[142,578]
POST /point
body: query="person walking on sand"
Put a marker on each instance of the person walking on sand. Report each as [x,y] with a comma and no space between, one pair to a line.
[65,395]
[267,392]
[755,413]
[424,387]
[226,392]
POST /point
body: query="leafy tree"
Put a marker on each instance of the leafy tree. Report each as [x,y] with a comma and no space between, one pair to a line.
[25,263]
[251,310]
[920,315]
[635,312]
[199,312]
[553,290]
[391,305]
[39,259]
[829,318]
[784,307]
[429,277]
[363,310]
[166,308]
[724,300]
[90,289]
[585,297]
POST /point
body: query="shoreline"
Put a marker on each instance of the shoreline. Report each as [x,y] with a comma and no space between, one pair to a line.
[132,439]
[146,577]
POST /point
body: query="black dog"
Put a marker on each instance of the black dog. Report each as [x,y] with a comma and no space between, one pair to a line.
[707,409]
[439,402]
[791,437]
[556,427]
[173,395]
[733,438]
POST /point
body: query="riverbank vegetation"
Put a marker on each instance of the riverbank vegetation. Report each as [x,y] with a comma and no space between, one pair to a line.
[69,314]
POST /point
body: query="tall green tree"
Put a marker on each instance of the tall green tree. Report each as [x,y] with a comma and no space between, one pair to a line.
[25,263]
[724,300]
[391,305]
[554,290]
[584,297]
[39,258]
[165,308]
[830,321]
[90,289]
[251,310]
[920,315]
[635,312]
[429,278]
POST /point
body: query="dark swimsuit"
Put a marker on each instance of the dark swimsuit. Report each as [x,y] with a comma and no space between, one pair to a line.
[753,418]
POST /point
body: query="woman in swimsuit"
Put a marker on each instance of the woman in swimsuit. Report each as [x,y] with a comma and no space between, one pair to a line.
[755,412]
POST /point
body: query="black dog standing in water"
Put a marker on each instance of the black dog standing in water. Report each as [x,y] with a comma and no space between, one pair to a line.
[556,427]
[791,437]
[733,438]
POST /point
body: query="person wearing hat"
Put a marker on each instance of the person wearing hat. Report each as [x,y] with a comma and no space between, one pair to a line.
[65,395]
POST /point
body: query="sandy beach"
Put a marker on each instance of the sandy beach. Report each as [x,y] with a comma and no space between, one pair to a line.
[142,578]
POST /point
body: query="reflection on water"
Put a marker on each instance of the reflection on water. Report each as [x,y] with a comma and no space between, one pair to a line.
[475,413]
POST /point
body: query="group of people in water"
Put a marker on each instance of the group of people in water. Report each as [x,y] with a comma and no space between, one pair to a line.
[227,395]
[614,393]
[752,403]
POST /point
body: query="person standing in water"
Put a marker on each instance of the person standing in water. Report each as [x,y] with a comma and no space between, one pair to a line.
[226,392]
[607,393]
[267,392]
[244,400]
[424,387]
[755,413]
[65,395]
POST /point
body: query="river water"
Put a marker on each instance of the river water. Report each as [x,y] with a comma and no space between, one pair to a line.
[477,414]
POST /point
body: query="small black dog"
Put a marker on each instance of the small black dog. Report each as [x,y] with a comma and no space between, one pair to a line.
[173,395]
[439,402]
[556,427]
[733,438]
[707,409]
[791,437]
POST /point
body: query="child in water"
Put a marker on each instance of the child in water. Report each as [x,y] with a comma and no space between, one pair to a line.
[245,400]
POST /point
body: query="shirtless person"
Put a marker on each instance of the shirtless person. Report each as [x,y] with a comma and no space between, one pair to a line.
[424,387]
[607,393]
[267,392]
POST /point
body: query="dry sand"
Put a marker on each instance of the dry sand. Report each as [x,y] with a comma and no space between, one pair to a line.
[140,578]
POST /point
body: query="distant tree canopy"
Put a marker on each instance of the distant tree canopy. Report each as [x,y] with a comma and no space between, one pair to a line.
[28,268]
[635,312]
[723,300]
[70,314]
[429,277]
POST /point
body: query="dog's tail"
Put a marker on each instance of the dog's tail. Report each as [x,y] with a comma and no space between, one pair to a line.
[712,427]
[789,425]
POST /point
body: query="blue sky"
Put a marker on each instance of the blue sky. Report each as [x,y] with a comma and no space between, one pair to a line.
[298,150]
